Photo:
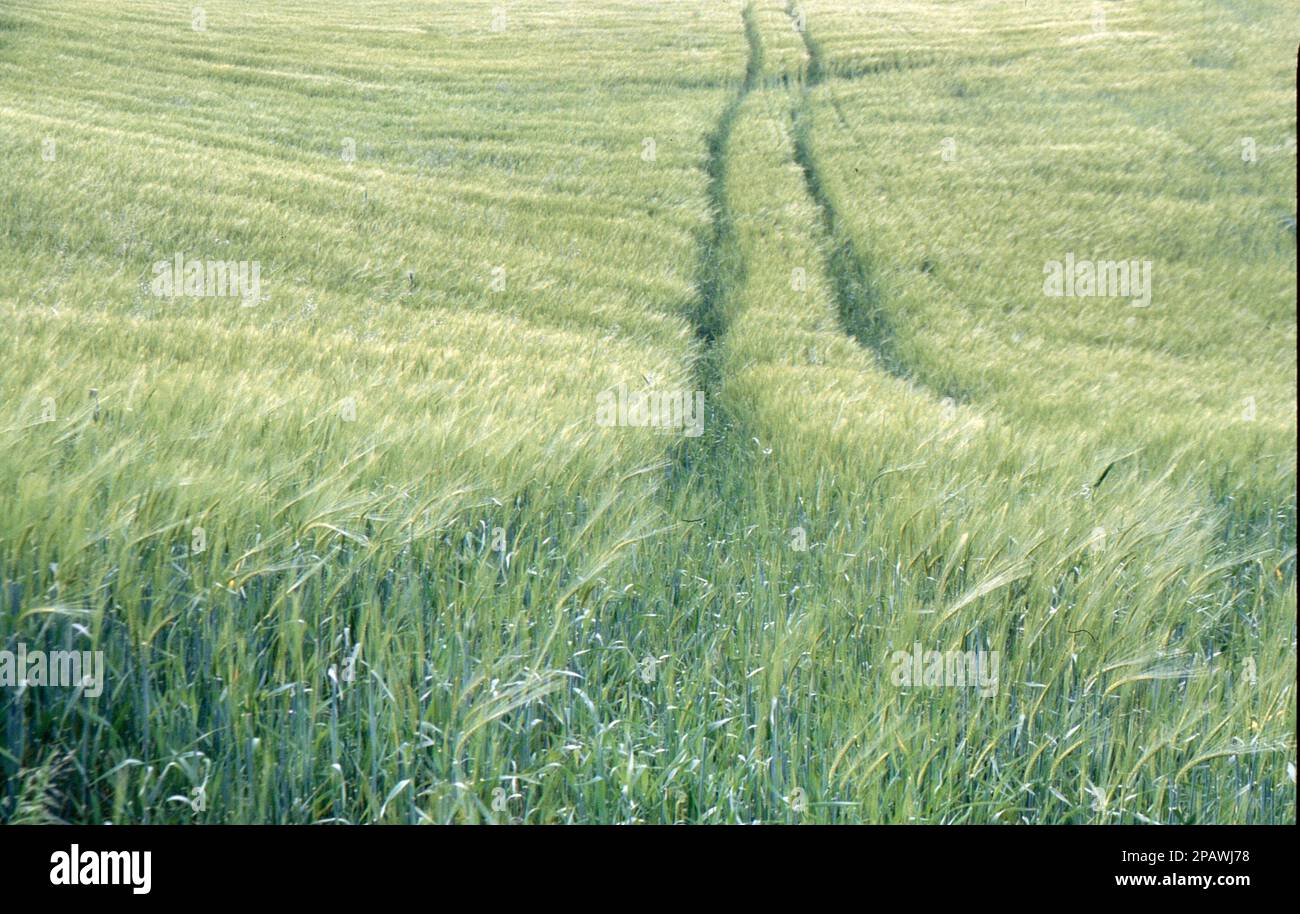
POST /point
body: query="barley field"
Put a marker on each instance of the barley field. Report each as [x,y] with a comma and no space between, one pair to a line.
[614,411]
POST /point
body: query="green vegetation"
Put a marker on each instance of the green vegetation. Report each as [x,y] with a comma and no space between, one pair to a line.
[360,551]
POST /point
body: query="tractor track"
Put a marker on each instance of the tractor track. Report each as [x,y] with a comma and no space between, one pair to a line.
[857,293]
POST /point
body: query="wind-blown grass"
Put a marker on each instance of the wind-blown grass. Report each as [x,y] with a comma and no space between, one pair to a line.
[906,442]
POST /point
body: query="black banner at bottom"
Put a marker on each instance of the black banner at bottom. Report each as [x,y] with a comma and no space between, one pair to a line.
[332,864]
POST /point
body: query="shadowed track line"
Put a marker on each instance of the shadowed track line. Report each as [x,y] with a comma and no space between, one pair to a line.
[721,265]
[720,270]
[857,294]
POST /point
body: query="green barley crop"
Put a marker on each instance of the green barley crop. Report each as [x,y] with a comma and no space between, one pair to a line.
[360,547]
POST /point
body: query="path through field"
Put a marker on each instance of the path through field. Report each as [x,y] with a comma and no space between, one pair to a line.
[364,544]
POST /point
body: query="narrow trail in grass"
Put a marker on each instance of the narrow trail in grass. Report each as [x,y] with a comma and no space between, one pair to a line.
[719,260]
[857,294]
[721,269]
